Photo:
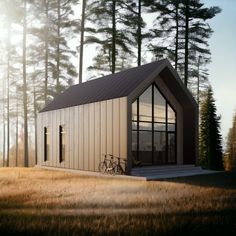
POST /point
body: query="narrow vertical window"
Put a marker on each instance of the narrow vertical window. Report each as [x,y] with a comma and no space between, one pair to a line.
[61,143]
[46,144]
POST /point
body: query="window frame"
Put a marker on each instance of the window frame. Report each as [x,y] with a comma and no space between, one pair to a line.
[166,131]
[62,155]
[46,144]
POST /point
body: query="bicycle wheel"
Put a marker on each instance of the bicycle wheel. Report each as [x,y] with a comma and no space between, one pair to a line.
[119,170]
[102,167]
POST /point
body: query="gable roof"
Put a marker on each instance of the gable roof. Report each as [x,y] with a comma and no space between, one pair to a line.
[112,86]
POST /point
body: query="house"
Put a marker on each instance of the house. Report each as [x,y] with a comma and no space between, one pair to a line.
[144,113]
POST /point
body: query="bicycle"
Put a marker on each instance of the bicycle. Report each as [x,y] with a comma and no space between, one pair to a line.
[107,165]
[118,169]
[110,166]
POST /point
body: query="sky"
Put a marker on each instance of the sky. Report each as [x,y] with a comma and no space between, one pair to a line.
[223,67]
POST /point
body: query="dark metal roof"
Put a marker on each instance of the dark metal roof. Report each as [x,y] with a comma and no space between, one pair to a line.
[108,87]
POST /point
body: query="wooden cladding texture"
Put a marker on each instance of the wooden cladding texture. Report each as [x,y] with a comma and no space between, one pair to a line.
[91,130]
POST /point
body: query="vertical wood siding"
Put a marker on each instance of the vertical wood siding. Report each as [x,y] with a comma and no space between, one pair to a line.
[91,130]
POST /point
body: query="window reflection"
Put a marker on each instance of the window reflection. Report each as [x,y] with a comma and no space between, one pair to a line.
[134,110]
[145,105]
[159,107]
[171,115]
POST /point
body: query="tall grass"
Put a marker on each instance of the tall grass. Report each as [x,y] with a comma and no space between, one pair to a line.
[51,202]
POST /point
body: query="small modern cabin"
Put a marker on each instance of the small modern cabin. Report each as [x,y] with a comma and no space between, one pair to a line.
[144,113]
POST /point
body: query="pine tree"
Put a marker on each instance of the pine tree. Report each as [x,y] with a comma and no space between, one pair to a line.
[230,158]
[111,33]
[210,137]
[181,34]
[81,54]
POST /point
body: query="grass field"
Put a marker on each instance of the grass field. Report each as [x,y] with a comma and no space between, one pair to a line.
[43,202]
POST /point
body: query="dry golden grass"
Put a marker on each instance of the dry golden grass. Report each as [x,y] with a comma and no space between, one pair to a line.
[34,201]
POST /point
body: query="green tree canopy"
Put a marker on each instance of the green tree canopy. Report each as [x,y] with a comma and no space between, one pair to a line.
[210,137]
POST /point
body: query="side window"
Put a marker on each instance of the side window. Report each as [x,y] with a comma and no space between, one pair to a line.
[46,143]
[61,143]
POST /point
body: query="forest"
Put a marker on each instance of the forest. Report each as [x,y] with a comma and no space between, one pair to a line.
[42,46]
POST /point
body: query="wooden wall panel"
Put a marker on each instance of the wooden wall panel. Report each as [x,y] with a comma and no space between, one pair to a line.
[123,127]
[63,122]
[91,137]
[81,137]
[54,138]
[75,139]
[58,122]
[71,139]
[109,127]
[92,130]
[97,135]
[86,137]
[67,136]
[103,128]
[116,127]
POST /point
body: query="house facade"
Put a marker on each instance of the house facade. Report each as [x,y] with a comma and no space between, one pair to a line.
[142,114]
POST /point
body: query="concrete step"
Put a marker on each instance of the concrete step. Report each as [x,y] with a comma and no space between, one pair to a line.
[163,172]
[160,169]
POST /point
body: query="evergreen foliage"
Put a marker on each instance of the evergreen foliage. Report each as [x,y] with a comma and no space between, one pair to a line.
[181,34]
[111,31]
[231,145]
[210,137]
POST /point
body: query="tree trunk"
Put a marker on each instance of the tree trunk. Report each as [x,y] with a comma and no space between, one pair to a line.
[186,42]
[113,59]
[58,45]
[139,33]
[3,124]
[25,103]
[46,52]
[35,122]
[8,95]
[177,34]
[17,123]
[82,43]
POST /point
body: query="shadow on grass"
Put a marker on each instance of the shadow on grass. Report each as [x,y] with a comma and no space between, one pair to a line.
[182,223]
[224,180]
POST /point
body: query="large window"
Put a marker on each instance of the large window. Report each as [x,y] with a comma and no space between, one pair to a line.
[46,143]
[61,143]
[153,128]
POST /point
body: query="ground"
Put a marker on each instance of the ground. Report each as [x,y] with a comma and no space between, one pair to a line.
[45,202]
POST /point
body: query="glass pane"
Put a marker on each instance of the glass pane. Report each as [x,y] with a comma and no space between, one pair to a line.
[134,125]
[159,148]
[145,105]
[145,126]
[159,107]
[159,127]
[171,127]
[171,148]
[171,115]
[134,110]
[145,147]
[134,141]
